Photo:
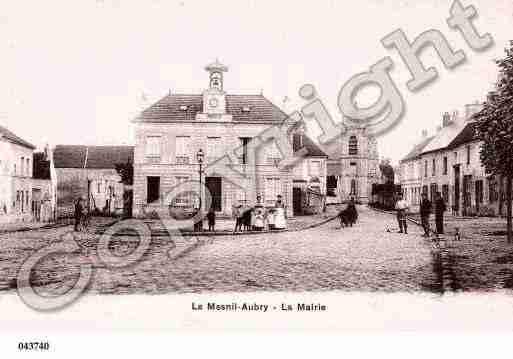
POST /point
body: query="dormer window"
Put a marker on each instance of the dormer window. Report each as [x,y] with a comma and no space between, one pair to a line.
[183,108]
[246,109]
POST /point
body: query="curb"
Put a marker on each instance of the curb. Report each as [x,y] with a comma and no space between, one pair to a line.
[164,233]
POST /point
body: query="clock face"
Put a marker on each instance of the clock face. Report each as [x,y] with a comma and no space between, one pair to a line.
[213,102]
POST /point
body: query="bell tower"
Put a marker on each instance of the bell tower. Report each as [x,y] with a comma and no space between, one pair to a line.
[214,97]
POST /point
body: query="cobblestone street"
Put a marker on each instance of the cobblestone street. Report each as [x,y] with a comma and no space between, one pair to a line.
[365,257]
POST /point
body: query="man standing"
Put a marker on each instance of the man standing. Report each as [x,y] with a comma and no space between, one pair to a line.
[439,213]
[425,212]
[79,212]
[401,207]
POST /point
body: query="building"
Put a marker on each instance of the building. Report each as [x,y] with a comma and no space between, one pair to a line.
[90,172]
[411,172]
[352,166]
[226,128]
[44,187]
[24,188]
[309,176]
[450,164]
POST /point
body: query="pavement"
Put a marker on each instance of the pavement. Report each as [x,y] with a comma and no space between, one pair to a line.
[366,257]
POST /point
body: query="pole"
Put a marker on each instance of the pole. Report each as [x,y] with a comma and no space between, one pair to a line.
[200,224]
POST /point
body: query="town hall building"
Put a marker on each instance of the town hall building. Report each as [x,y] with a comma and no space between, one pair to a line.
[173,133]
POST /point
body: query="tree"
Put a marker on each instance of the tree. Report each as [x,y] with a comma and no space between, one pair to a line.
[494,127]
[126,172]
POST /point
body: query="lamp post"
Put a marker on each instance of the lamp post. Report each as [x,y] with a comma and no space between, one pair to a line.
[199,157]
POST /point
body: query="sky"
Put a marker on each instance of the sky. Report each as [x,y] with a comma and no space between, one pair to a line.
[77,72]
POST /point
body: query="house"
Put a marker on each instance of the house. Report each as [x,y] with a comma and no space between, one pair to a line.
[26,190]
[44,187]
[16,177]
[309,176]
[411,172]
[89,172]
[171,133]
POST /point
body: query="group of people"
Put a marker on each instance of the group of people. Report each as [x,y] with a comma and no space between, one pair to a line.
[426,208]
[348,215]
[255,218]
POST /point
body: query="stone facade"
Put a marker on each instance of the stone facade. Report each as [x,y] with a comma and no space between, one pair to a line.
[353,165]
[171,133]
[20,192]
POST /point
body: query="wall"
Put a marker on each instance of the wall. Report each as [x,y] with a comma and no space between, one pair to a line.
[251,176]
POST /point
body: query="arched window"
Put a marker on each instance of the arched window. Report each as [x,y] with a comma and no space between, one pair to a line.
[353,146]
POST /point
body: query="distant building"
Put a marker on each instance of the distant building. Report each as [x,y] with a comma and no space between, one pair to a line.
[449,163]
[309,176]
[353,165]
[22,182]
[89,172]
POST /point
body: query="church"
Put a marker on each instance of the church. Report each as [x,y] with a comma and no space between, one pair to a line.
[352,166]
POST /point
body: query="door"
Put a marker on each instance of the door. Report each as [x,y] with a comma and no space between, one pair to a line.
[296,200]
[456,197]
[214,185]
[479,194]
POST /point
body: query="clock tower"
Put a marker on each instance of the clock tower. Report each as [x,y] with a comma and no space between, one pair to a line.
[214,97]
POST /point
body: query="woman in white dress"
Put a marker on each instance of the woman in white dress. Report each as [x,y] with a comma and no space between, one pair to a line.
[280,222]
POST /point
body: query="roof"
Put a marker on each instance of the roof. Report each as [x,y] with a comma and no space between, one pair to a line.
[417,149]
[170,109]
[468,134]
[443,137]
[93,157]
[312,149]
[11,137]
[41,166]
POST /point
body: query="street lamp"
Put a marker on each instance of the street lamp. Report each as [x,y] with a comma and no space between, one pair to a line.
[199,157]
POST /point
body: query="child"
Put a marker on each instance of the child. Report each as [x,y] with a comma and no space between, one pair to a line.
[211,217]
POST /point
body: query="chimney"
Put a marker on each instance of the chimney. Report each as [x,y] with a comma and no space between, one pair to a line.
[438,129]
[424,134]
[446,119]
[471,109]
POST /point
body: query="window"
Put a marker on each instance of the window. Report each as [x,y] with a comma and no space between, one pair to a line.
[493,195]
[244,156]
[425,168]
[26,199]
[434,167]
[182,149]
[297,141]
[272,189]
[213,149]
[468,155]
[15,169]
[315,168]
[183,198]
[153,189]
[22,169]
[28,167]
[153,149]
[353,146]
[445,193]
[241,196]
[99,186]
[273,153]
[433,189]
[445,165]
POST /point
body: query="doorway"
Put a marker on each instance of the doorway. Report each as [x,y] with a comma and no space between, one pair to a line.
[296,201]
[214,185]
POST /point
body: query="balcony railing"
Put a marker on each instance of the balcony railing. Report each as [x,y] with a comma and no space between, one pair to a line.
[182,160]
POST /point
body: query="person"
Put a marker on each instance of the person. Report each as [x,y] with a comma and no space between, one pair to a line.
[79,212]
[401,207]
[211,218]
[238,214]
[344,218]
[440,208]
[351,212]
[259,215]
[279,213]
[425,212]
